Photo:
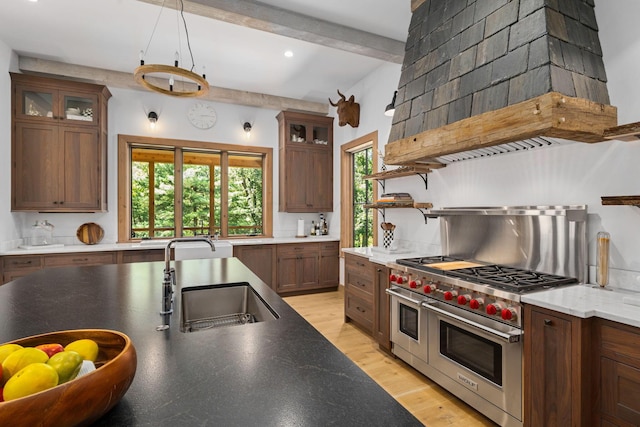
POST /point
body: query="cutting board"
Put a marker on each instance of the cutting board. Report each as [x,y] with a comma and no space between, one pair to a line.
[454,265]
[90,233]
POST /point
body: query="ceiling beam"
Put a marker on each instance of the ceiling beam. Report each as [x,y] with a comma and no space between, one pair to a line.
[125,80]
[259,16]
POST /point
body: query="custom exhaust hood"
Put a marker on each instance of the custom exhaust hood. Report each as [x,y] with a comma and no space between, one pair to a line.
[488,77]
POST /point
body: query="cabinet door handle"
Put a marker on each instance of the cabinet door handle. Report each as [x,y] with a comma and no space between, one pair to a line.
[80,259]
[22,262]
[379,270]
[548,322]
[361,310]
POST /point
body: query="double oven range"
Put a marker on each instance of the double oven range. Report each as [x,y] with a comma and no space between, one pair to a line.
[457,318]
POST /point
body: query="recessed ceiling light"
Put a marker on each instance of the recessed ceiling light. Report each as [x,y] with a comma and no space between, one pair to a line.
[288,54]
[33,1]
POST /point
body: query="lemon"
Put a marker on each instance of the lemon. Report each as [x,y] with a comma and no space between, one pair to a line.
[31,379]
[67,364]
[7,349]
[86,348]
[20,359]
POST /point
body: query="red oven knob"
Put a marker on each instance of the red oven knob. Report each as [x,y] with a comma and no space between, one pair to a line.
[476,303]
[393,278]
[400,280]
[463,299]
[449,295]
[492,309]
[508,314]
[413,284]
[429,288]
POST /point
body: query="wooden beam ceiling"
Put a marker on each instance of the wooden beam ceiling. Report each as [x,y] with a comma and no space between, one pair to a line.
[125,80]
[259,16]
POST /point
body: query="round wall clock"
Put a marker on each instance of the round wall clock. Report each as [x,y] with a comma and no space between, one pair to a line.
[202,116]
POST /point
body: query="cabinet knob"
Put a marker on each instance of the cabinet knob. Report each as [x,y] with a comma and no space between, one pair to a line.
[548,322]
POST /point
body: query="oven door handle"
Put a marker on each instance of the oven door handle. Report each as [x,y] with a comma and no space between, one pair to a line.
[402,297]
[508,337]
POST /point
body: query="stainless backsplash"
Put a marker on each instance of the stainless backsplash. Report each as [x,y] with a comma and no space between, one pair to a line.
[550,239]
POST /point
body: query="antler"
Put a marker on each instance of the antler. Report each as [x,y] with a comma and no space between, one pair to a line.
[341,96]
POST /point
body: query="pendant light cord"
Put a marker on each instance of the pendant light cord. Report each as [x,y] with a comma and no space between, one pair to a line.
[186,31]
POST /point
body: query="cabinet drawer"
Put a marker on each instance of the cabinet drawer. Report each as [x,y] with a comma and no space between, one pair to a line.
[330,246]
[97,258]
[359,309]
[355,280]
[297,249]
[12,263]
[619,343]
[358,265]
[143,255]
[620,391]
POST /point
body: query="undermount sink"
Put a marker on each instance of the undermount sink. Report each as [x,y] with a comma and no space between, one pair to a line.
[229,304]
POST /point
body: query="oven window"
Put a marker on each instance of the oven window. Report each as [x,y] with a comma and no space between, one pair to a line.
[482,356]
[409,321]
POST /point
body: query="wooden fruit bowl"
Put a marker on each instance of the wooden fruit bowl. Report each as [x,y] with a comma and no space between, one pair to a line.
[85,399]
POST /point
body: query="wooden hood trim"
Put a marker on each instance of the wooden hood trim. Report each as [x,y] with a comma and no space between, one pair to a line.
[550,115]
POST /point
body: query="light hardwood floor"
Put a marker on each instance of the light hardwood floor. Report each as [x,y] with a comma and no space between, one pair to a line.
[426,400]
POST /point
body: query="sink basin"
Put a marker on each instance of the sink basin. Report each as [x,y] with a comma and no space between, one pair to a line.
[229,304]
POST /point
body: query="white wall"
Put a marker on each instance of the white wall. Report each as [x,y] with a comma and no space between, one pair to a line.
[574,174]
[9,224]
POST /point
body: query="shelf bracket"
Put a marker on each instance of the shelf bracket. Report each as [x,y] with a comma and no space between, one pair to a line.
[380,211]
[425,178]
[425,213]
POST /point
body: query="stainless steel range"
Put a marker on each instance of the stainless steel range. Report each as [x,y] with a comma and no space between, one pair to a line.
[457,317]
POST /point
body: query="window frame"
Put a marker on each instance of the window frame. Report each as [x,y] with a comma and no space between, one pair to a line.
[125,142]
[346,186]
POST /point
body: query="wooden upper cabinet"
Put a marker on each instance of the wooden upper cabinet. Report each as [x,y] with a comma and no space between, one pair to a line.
[59,145]
[306,162]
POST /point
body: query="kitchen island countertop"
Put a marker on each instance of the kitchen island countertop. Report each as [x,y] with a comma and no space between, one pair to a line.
[272,373]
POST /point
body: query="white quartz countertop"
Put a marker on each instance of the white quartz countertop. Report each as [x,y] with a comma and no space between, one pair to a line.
[103,247]
[587,301]
[380,255]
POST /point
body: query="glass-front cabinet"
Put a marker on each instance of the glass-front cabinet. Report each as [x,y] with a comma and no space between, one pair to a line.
[47,105]
[59,145]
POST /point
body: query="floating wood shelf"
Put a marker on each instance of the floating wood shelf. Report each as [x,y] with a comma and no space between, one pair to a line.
[628,132]
[621,200]
[400,205]
[420,170]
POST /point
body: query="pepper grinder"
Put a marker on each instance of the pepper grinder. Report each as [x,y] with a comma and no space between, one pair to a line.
[602,272]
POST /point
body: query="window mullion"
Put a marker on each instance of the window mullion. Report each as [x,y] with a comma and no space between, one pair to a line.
[177,191]
[224,196]
[152,198]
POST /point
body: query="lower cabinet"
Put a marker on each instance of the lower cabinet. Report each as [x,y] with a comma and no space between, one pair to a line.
[260,259]
[619,374]
[365,301]
[15,266]
[558,380]
[307,266]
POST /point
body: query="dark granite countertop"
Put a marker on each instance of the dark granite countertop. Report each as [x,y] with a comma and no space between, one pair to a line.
[275,373]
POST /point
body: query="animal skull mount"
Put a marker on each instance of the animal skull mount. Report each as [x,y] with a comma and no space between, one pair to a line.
[348,111]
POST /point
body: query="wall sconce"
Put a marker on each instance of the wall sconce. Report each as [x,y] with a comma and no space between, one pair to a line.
[247,129]
[391,108]
[153,118]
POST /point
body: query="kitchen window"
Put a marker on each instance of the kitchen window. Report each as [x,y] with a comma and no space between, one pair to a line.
[170,188]
[358,224]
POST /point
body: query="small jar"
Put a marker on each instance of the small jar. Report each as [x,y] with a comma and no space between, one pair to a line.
[41,233]
[602,267]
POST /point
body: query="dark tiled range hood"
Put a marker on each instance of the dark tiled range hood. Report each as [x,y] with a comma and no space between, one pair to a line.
[483,77]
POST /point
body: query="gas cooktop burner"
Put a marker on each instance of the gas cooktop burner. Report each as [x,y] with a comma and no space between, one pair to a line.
[510,278]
